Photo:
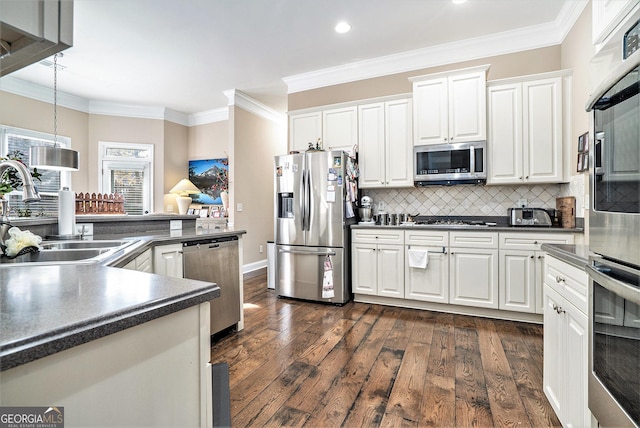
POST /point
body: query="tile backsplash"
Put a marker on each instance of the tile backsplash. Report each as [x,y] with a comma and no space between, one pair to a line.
[471,200]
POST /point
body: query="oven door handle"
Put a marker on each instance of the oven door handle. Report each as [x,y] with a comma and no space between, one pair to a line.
[614,77]
[617,287]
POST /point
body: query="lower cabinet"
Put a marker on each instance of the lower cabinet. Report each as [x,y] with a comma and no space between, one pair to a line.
[142,263]
[566,342]
[378,262]
[430,284]
[473,269]
[522,269]
[167,260]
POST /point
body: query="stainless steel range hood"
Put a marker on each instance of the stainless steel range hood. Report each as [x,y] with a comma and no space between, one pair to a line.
[31,30]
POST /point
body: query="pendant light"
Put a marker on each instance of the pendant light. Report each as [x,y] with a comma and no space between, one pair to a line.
[54,157]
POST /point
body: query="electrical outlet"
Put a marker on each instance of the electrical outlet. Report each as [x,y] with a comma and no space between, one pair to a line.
[169,208]
[381,206]
[175,224]
[261,249]
[522,203]
[84,229]
[238,207]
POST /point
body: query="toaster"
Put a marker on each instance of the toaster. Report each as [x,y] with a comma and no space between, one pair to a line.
[529,217]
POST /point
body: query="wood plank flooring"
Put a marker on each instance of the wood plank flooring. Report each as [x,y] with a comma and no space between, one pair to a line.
[360,365]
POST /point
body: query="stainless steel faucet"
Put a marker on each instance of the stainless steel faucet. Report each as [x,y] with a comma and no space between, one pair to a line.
[29,193]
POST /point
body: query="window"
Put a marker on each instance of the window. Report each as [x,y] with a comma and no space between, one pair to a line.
[14,140]
[127,170]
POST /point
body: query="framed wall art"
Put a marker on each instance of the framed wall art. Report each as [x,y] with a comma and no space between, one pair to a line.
[211,176]
[583,153]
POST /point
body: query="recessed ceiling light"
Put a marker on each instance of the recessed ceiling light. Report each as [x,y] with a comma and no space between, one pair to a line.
[459,1]
[343,27]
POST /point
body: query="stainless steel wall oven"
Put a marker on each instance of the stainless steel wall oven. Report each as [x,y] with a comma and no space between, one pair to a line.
[614,232]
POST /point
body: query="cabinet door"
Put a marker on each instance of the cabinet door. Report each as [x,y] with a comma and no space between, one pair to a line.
[606,14]
[540,275]
[304,129]
[517,281]
[554,351]
[473,277]
[364,268]
[430,114]
[542,130]
[399,144]
[340,129]
[390,270]
[467,107]
[576,412]
[504,147]
[430,284]
[371,145]
[167,260]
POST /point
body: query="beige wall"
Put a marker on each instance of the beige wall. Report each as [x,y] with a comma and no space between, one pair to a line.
[30,114]
[576,53]
[116,129]
[502,66]
[209,141]
[255,141]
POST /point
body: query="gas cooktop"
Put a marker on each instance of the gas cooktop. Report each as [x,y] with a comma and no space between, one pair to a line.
[453,222]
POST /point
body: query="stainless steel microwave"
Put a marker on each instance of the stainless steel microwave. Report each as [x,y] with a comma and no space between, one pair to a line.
[448,164]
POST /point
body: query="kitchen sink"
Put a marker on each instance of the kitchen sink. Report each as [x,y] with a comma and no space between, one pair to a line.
[75,245]
[69,252]
[56,256]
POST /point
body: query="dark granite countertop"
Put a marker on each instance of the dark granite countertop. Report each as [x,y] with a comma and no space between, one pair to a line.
[47,309]
[576,255]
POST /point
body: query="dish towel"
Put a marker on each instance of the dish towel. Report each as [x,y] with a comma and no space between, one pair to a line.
[418,259]
[327,279]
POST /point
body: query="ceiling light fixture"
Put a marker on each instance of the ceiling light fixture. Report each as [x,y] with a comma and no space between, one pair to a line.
[343,27]
[54,157]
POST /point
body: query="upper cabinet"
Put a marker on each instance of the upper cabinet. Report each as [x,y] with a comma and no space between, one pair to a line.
[525,131]
[450,107]
[336,128]
[31,30]
[385,144]
[606,14]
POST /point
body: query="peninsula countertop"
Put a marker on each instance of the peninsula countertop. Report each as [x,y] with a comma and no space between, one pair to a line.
[47,309]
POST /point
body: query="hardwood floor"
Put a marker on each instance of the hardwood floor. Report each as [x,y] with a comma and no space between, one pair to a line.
[308,364]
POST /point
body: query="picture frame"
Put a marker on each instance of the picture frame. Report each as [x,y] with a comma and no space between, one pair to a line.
[190,211]
[583,153]
[204,212]
[196,211]
[211,176]
[583,143]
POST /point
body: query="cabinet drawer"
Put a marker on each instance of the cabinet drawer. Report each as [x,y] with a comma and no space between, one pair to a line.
[428,238]
[473,239]
[533,241]
[570,282]
[378,236]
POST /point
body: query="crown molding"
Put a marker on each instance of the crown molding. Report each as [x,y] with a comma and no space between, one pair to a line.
[209,116]
[533,37]
[242,100]
[42,93]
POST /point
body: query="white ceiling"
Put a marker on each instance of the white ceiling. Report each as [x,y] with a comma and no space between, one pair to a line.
[182,54]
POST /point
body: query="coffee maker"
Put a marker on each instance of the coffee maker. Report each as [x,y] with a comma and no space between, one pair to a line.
[366,210]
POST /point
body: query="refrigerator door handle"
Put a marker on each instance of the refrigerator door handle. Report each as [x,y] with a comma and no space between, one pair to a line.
[308,253]
[304,199]
[307,200]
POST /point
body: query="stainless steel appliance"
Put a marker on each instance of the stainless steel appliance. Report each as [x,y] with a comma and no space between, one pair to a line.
[313,211]
[216,260]
[614,222]
[529,217]
[458,163]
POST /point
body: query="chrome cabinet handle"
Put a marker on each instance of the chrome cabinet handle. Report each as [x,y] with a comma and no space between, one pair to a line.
[559,279]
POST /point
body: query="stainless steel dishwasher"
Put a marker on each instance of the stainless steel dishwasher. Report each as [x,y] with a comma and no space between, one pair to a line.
[216,260]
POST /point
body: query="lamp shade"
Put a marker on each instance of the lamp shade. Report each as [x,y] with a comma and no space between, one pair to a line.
[56,158]
[185,188]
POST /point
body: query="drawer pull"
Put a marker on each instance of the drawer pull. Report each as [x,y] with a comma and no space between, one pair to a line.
[559,279]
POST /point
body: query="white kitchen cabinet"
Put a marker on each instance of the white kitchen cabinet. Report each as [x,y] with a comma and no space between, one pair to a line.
[565,368]
[450,107]
[385,144]
[525,131]
[378,262]
[522,269]
[167,260]
[340,129]
[304,128]
[473,269]
[432,283]
[606,14]
[142,263]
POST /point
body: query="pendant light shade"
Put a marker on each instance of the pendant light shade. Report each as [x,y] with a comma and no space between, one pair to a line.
[56,158]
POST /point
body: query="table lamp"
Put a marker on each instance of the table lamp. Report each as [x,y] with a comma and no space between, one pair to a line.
[183,189]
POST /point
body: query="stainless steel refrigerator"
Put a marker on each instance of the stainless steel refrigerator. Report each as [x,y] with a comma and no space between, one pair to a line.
[314,206]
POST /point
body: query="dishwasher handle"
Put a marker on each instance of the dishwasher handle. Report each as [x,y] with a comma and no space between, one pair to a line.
[211,242]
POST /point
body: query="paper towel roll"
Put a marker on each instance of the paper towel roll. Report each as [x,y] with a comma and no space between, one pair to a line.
[66,212]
